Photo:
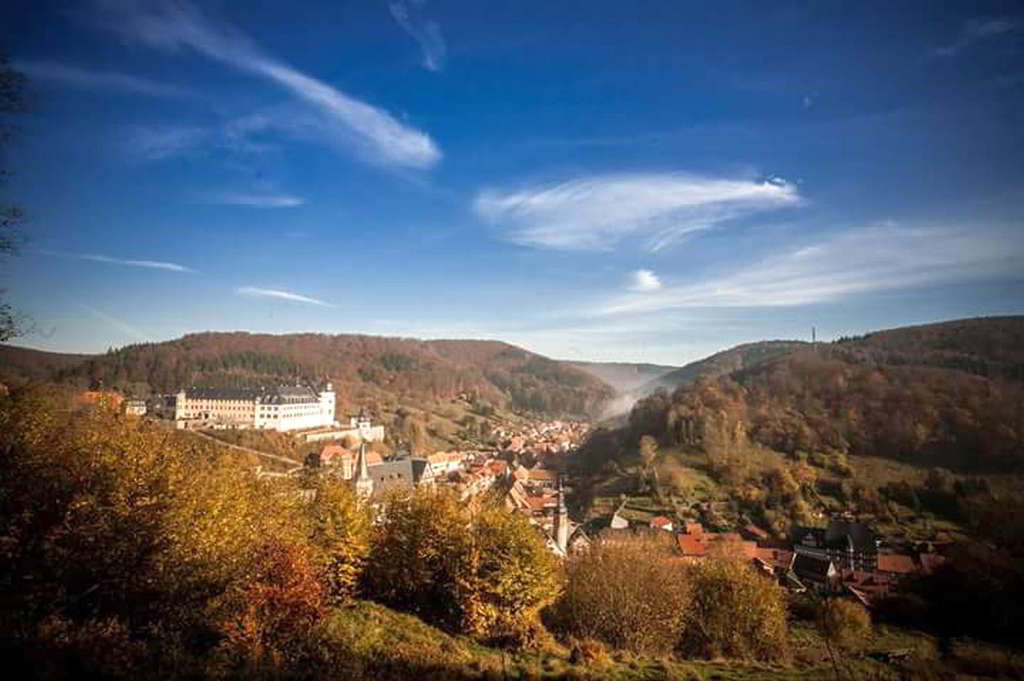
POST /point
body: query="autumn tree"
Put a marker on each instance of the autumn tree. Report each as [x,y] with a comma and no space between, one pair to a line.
[630,594]
[112,524]
[648,448]
[735,612]
[340,532]
[481,571]
[844,623]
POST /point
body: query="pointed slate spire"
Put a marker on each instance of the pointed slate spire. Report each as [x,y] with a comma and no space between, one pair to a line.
[561,520]
[364,483]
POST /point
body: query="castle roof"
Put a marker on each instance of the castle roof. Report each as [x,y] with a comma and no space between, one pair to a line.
[282,394]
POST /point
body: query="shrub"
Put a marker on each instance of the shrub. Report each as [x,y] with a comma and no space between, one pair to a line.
[735,612]
[629,594]
[479,571]
[845,623]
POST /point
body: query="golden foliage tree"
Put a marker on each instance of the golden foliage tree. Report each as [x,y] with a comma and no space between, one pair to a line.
[340,531]
[735,612]
[845,623]
[483,572]
[630,594]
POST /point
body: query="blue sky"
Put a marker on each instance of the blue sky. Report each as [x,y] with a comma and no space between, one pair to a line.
[643,181]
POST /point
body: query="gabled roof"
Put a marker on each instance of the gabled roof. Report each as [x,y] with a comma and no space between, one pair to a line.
[843,534]
[898,563]
[811,567]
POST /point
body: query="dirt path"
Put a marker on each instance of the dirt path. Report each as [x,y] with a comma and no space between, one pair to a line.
[292,463]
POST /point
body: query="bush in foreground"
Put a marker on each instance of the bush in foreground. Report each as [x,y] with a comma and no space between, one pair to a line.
[845,623]
[735,613]
[628,594]
[482,571]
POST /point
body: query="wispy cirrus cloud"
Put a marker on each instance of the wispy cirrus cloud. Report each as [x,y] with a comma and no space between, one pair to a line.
[257,292]
[91,79]
[148,264]
[876,258]
[975,31]
[118,324]
[369,131]
[409,15]
[254,200]
[158,143]
[643,280]
[595,213]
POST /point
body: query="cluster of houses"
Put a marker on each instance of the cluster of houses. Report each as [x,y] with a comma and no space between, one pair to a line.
[847,557]
[471,473]
[538,494]
[547,441]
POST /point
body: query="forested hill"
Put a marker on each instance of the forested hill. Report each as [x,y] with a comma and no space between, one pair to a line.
[26,363]
[727,361]
[363,368]
[889,394]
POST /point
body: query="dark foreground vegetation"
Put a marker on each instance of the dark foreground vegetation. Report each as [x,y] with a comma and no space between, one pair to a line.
[131,551]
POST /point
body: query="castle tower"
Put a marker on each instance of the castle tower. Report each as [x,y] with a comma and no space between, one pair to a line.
[364,483]
[561,521]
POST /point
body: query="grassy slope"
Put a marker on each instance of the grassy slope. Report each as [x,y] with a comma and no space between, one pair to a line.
[382,644]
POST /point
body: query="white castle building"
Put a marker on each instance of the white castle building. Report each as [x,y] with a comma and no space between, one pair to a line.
[282,408]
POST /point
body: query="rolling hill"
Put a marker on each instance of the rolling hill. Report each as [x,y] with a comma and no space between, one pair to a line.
[727,361]
[26,363]
[365,369]
[947,394]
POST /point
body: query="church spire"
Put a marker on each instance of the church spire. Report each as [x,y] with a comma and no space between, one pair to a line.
[364,483]
[561,521]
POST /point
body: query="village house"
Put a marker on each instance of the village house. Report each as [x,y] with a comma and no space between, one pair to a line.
[662,523]
[695,542]
[443,463]
[817,573]
[343,461]
[849,545]
[135,407]
[403,473]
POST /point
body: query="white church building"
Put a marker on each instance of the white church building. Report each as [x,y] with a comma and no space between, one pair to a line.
[283,408]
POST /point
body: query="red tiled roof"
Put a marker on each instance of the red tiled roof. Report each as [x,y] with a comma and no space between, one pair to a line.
[691,545]
[660,521]
[694,528]
[774,557]
[542,474]
[896,562]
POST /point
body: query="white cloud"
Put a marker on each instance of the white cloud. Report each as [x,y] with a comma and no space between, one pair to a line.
[150,143]
[975,31]
[255,200]
[279,294]
[657,210]
[88,79]
[424,31]
[149,264]
[643,281]
[874,258]
[371,132]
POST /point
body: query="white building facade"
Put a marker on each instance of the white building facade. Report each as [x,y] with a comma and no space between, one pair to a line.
[283,408]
